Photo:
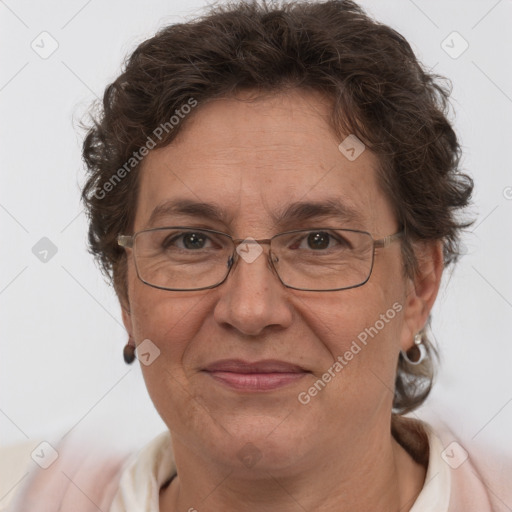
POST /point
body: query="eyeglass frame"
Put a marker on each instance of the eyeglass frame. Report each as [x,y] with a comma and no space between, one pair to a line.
[128,242]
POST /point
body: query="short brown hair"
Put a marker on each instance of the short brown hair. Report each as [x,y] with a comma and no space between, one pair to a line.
[378,89]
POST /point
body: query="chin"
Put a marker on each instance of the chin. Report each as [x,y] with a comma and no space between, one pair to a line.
[254,445]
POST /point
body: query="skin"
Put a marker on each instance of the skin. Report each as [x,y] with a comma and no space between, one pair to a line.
[335,453]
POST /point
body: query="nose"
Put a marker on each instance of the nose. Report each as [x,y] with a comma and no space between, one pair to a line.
[253,298]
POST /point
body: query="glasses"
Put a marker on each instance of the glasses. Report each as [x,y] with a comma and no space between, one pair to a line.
[181,258]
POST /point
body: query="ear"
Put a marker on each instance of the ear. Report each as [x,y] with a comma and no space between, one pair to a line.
[421,290]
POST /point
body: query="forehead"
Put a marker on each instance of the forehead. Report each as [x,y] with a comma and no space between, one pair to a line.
[253,158]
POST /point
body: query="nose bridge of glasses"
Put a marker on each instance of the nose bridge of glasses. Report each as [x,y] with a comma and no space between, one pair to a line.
[250,243]
[251,252]
[249,240]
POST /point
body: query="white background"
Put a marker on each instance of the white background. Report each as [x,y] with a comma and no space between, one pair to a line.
[61,338]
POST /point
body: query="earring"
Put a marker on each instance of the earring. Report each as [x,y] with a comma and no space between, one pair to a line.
[419,351]
[129,352]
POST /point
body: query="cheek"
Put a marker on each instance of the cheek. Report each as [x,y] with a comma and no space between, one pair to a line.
[359,329]
[163,316]
[358,315]
[171,322]
[168,320]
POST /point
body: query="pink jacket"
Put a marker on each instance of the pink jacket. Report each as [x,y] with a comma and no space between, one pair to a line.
[81,480]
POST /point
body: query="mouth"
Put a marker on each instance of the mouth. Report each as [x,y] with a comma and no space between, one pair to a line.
[265,375]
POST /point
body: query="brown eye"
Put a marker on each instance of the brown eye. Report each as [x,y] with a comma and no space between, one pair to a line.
[194,240]
[190,241]
[318,240]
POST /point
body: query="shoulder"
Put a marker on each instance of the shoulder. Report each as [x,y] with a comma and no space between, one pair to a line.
[14,469]
[476,471]
[472,477]
[73,472]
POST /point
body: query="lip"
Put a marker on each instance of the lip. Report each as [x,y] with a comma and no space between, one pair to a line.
[264,375]
[263,366]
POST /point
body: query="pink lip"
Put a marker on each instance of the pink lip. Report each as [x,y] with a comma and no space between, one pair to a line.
[257,376]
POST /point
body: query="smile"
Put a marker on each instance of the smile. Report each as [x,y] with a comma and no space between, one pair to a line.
[258,376]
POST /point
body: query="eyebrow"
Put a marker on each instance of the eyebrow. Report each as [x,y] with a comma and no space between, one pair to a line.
[328,208]
[294,213]
[189,208]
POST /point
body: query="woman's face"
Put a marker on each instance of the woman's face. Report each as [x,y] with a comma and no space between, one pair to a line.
[252,160]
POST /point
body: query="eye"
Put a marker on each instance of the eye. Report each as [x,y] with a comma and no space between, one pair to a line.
[318,240]
[321,240]
[190,241]
[194,240]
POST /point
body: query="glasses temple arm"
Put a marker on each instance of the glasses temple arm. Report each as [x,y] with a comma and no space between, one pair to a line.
[387,240]
[125,241]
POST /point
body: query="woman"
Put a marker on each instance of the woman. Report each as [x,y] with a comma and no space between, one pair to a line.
[274,192]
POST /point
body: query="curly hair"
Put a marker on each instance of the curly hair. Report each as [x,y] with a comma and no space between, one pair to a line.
[377,90]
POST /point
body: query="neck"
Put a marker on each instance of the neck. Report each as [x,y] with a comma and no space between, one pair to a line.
[382,478]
